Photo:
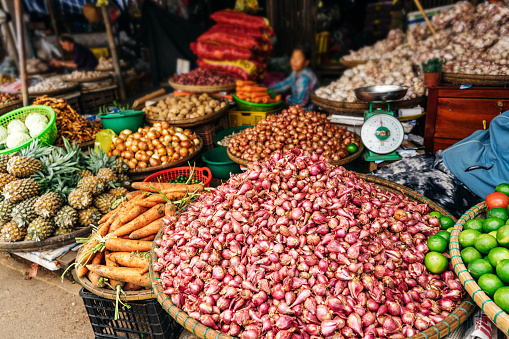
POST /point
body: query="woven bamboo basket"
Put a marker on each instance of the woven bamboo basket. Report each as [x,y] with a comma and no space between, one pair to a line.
[140,174]
[475,79]
[203,89]
[194,121]
[72,86]
[358,108]
[341,162]
[440,330]
[46,244]
[353,63]
[10,106]
[488,306]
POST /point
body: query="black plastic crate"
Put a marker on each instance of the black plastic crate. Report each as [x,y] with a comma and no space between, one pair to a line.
[145,319]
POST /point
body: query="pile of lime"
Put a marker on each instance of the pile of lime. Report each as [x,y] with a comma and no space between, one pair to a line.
[185,180]
[485,247]
[435,261]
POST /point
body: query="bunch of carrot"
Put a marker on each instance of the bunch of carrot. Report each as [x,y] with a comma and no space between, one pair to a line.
[119,249]
[250,92]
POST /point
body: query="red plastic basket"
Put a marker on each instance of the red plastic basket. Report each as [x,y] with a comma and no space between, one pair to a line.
[200,173]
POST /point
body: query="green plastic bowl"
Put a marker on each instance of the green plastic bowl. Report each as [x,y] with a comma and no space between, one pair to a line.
[220,136]
[251,107]
[131,120]
[219,163]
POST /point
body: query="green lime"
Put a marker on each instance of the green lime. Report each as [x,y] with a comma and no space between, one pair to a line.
[490,283]
[436,262]
[501,298]
[503,270]
[493,234]
[497,254]
[437,244]
[469,254]
[435,215]
[502,188]
[467,237]
[507,222]
[352,148]
[474,224]
[444,234]
[479,267]
[497,212]
[450,229]
[492,224]
[503,236]
[485,243]
[446,222]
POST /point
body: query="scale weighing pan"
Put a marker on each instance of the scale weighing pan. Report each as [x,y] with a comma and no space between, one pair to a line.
[382,93]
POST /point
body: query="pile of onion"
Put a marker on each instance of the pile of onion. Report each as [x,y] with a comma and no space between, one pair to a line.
[293,128]
[154,146]
[296,248]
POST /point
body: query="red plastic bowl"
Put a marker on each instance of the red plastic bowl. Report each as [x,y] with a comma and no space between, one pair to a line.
[200,173]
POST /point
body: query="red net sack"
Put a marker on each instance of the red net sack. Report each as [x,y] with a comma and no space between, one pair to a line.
[242,69]
[230,38]
[218,51]
[261,34]
[230,17]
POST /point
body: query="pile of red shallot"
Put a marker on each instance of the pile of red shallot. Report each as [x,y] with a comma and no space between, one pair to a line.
[297,248]
[293,128]
[204,77]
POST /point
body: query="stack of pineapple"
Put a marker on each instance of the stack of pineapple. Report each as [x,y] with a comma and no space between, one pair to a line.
[50,191]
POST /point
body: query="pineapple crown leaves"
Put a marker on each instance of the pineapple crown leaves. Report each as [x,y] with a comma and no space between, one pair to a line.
[97,160]
[35,150]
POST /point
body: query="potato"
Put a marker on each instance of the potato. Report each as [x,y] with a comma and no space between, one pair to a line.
[223,104]
[184,111]
[208,110]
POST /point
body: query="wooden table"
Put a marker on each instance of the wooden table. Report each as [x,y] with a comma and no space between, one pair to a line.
[454,114]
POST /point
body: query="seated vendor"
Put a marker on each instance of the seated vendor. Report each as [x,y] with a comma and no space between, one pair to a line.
[302,81]
[82,57]
[461,175]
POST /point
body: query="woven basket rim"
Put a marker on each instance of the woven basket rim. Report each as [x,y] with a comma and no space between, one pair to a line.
[195,121]
[487,305]
[49,243]
[202,89]
[449,324]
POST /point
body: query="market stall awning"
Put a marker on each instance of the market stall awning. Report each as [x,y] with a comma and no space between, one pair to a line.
[64,6]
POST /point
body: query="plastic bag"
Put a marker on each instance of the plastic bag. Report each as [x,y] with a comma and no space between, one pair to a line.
[228,16]
[103,139]
[242,69]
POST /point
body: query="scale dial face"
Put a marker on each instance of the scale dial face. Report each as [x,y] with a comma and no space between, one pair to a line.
[382,133]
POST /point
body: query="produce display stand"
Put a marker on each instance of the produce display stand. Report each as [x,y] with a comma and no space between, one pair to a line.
[10,106]
[184,123]
[72,86]
[487,305]
[440,330]
[203,89]
[91,79]
[92,101]
[475,79]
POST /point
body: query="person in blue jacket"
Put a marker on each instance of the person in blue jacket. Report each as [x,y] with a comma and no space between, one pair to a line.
[461,175]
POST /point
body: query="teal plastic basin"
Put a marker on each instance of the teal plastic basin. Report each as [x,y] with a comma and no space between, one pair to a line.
[219,163]
[131,120]
[220,136]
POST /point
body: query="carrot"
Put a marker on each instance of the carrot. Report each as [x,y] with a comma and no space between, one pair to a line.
[141,221]
[107,216]
[116,225]
[257,100]
[127,274]
[255,89]
[241,97]
[133,213]
[94,279]
[144,270]
[169,209]
[277,98]
[145,203]
[111,263]
[126,245]
[181,94]
[132,287]
[241,83]
[85,255]
[149,238]
[129,260]
[265,100]
[133,194]
[226,96]
[259,95]
[148,230]
[154,187]
[157,198]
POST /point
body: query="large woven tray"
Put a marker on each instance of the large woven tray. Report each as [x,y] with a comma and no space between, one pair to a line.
[475,79]
[203,89]
[353,63]
[46,244]
[72,86]
[488,306]
[195,121]
[341,162]
[94,79]
[140,174]
[440,330]
[358,108]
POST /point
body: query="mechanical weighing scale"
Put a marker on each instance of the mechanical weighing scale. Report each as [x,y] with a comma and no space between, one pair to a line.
[381,132]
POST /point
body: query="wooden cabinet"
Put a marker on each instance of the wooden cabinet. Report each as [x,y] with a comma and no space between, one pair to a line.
[453,113]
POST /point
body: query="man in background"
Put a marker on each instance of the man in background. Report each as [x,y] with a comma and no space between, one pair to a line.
[82,57]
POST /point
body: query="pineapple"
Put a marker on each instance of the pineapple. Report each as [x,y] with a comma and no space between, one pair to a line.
[4,159]
[103,202]
[24,212]
[79,199]
[124,180]
[97,160]
[19,190]
[23,167]
[63,231]
[66,218]
[118,192]
[40,228]
[85,173]
[6,178]
[89,216]
[91,184]
[13,232]
[121,166]
[48,204]
[107,175]
[6,210]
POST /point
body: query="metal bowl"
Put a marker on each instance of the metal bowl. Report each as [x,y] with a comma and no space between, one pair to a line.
[381,93]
